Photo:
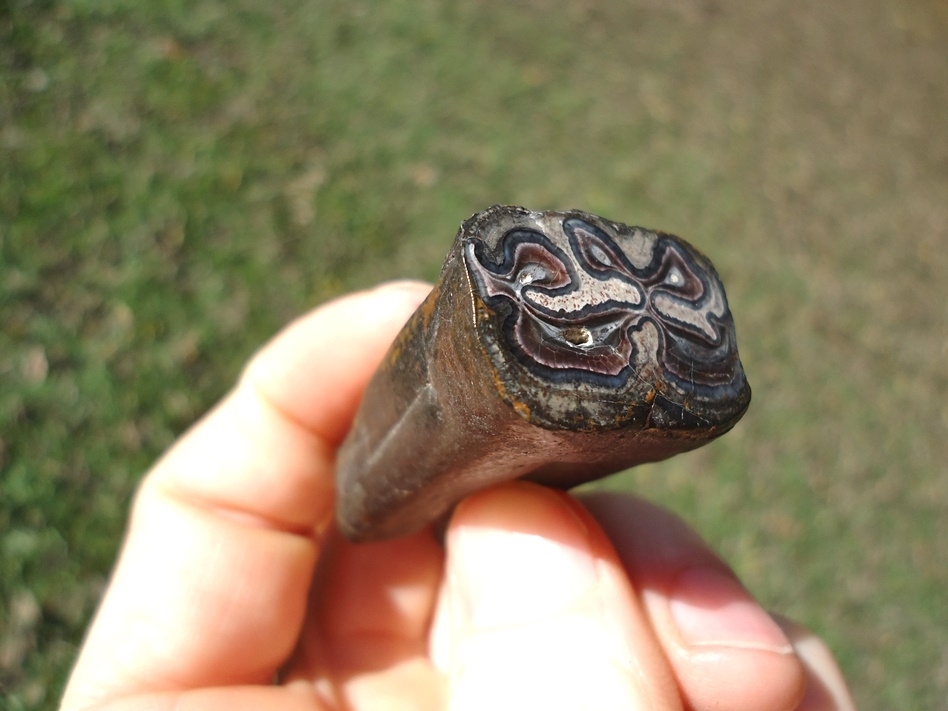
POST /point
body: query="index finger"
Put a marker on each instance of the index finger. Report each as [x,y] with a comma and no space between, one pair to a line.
[268,449]
[210,587]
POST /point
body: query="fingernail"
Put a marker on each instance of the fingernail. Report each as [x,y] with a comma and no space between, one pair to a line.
[711,608]
[511,577]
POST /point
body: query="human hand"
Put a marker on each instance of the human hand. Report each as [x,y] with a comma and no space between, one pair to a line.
[233,590]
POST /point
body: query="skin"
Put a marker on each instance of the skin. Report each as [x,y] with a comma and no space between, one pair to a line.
[234,591]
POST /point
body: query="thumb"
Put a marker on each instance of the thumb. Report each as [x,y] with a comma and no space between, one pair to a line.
[536,611]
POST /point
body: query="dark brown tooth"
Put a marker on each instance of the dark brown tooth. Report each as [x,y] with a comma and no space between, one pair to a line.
[556,346]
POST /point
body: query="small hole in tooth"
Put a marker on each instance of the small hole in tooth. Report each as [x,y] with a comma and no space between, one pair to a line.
[532,273]
[599,254]
[674,277]
[578,335]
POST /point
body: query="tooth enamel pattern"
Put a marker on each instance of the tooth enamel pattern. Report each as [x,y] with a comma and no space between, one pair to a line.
[556,346]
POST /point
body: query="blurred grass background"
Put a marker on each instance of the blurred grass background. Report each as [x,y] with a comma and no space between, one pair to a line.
[179,179]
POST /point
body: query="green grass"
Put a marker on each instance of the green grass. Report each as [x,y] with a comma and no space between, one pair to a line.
[178,179]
